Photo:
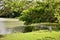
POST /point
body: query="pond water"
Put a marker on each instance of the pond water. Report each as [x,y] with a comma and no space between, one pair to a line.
[6,25]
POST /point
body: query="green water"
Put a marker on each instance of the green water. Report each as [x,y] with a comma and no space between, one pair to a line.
[11,22]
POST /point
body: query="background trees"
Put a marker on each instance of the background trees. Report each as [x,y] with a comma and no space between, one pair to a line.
[32,12]
[13,8]
[42,12]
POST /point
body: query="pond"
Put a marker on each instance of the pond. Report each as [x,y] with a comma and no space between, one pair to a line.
[10,25]
[7,24]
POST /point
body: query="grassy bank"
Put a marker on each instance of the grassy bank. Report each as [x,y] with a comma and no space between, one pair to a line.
[37,35]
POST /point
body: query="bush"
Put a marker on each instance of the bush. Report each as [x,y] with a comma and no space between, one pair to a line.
[34,28]
[28,29]
[56,28]
[31,28]
[43,12]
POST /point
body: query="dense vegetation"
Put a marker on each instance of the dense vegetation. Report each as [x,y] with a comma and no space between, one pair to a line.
[32,12]
[13,8]
[42,12]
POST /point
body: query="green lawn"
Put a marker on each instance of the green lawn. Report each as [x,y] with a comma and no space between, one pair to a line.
[37,35]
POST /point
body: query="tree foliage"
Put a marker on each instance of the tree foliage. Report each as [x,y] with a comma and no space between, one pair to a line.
[32,12]
[42,12]
[13,8]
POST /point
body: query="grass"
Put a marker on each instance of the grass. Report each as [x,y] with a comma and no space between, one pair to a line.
[37,35]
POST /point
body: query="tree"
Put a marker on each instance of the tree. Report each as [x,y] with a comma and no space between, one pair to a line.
[57,11]
[42,12]
[13,8]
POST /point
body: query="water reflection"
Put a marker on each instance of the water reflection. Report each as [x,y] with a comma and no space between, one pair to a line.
[3,29]
[7,25]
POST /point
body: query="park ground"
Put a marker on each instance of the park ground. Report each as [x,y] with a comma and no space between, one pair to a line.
[35,35]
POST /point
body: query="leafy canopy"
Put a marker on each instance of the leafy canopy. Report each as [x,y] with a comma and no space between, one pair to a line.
[42,12]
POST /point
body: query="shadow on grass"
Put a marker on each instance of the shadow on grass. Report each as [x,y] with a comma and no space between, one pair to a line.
[1,36]
[47,38]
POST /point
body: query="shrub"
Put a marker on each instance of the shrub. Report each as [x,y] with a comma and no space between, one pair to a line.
[28,29]
[42,12]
